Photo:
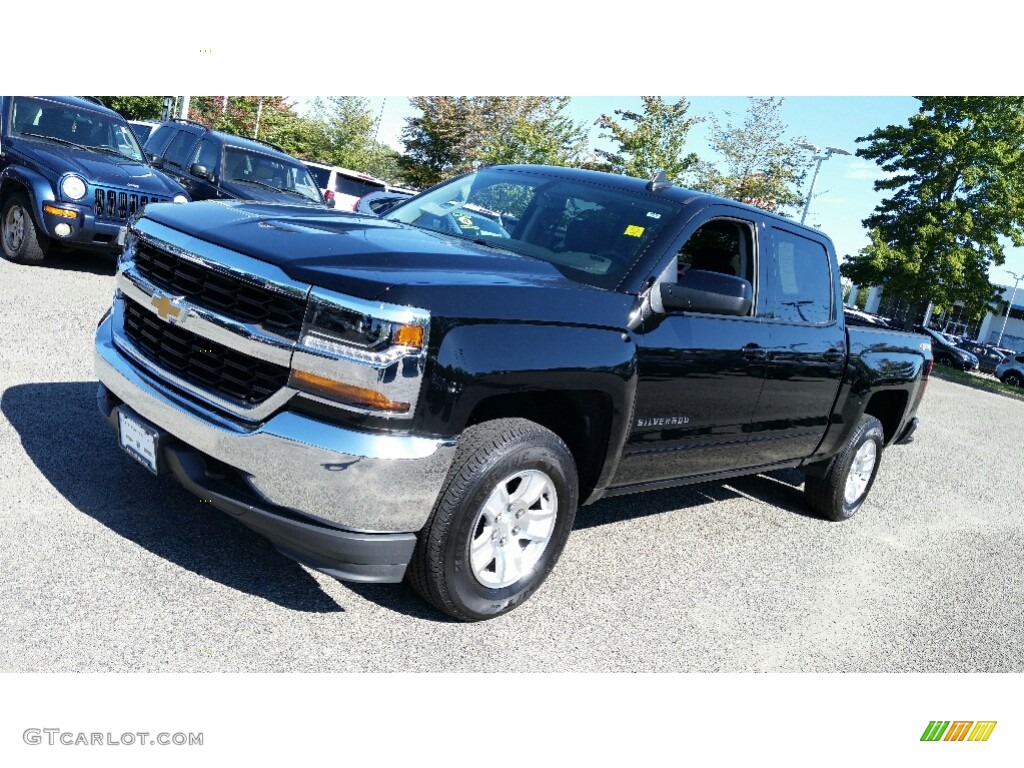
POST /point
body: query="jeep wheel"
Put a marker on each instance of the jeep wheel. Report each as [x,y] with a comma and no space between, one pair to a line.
[500,523]
[840,491]
[22,242]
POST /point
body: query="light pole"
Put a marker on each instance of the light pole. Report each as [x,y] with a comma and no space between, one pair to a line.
[1017,278]
[829,151]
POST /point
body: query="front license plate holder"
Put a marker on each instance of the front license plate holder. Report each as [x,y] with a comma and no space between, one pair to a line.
[139,440]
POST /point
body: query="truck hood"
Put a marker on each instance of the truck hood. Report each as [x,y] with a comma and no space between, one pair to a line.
[99,168]
[370,258]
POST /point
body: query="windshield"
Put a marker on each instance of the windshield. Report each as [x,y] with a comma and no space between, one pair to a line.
[79,127]
[589,232]
[258,169]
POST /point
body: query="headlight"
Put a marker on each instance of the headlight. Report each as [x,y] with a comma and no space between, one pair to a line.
[72,187]
[179,199]
[363,355]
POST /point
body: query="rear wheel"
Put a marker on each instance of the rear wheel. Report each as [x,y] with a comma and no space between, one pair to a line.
[22,242]
[501,522]
[840,491]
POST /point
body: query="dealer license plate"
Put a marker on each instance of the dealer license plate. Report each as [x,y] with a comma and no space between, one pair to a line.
[138,440]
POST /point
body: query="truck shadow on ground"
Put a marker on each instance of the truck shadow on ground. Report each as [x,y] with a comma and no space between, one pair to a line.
[62,432]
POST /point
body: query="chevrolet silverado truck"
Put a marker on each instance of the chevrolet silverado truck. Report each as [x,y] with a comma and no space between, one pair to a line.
[421,397]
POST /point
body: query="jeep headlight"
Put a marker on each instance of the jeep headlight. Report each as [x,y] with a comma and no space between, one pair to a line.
[179,199]
[366,356]
[72,187]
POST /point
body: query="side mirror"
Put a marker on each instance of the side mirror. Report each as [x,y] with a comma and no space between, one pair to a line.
[713,292]
[201,171]
[155,160]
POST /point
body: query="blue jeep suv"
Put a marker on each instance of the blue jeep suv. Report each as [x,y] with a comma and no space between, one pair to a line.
[71,172]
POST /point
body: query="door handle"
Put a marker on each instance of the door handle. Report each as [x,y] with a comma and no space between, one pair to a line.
[754,352]
[835,355]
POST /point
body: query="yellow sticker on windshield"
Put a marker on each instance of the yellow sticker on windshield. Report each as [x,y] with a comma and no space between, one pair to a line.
[634,231]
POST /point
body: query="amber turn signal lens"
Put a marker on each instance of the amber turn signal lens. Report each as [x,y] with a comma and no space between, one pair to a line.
[60,212]
[409,336]
[345,393]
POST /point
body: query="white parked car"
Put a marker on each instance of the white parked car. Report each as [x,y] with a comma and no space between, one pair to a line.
[342,187]
[1011,371]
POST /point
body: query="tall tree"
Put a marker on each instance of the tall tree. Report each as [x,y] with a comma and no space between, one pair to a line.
[760,164]
[649,141]
[453,133]
[135,107]
[349,129]
[956,193]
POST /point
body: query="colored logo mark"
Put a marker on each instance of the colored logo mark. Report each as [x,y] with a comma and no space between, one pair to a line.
[958,730]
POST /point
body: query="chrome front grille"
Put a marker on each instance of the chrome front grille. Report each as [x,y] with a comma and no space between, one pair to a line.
[228,295]
[116,205]
[213,367]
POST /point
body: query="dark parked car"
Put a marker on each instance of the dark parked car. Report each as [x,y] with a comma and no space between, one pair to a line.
[213,165]
[989,356]
[71,172]
[947,353]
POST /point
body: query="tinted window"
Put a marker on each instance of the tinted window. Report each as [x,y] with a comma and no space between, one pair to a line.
[321,175]
[355,187]
[208,154]
[721,245]
[800,280]
[179,150]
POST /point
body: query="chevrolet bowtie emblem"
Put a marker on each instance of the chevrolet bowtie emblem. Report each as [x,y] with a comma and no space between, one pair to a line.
[165,308]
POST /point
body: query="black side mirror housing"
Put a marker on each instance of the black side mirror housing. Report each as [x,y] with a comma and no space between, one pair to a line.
[201,171]
[713,292]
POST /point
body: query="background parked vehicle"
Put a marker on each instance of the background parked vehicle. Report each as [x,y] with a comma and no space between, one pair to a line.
[142,129]
[947,353]
[856,316]
[71,172]
[214,165]
[379,203]
[1011,371]
[989,356]
[342,187]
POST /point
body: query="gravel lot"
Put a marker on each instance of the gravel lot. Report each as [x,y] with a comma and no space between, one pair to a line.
[106,568]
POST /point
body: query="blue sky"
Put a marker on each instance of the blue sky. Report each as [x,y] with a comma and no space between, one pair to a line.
[843,194]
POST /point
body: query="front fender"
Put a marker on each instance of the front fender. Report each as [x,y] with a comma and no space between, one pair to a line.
[478,362]
[35,185]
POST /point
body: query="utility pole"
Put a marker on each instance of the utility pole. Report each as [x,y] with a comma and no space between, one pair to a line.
[1017,278]
[829,151]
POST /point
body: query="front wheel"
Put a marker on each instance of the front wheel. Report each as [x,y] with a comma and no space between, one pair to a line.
[839,492]
[501,522]
[1013,379]
[22,242]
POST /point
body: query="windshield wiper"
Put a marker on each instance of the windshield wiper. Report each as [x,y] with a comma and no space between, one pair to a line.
[259,183]
[54,138]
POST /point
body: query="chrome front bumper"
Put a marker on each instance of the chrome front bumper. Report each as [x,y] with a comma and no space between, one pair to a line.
[358,481]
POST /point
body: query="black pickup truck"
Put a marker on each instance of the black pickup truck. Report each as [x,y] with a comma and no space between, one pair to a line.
[431,395]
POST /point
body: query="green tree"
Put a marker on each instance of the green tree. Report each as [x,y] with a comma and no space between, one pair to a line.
[349,132]
[759,164]
[453,133]
[135,107]
[649,141]
[956,193]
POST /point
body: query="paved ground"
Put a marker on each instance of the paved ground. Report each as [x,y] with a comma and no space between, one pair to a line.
[106,568]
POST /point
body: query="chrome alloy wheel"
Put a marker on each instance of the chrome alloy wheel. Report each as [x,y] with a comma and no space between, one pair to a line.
[14,228]
[861,470]
[513,529]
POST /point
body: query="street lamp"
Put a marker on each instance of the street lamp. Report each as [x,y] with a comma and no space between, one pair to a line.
[829,151]
[1017,278]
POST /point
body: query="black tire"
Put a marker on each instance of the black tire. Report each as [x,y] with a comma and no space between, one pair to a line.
[827,493]
[491,456]
[1013,379]
[21,241]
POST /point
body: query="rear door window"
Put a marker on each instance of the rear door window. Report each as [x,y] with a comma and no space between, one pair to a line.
[180,149]
[799,280]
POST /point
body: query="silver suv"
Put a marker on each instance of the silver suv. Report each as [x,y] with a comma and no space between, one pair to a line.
[1011,371]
